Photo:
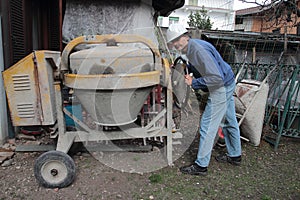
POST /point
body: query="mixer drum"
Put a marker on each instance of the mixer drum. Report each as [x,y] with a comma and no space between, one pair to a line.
[112,82]
[114,107]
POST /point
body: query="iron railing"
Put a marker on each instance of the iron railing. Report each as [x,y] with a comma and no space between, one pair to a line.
[282,114]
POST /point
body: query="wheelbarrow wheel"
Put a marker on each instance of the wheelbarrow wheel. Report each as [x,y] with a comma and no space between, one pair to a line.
[54,169]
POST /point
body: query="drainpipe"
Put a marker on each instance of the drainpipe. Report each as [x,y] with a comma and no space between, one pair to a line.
[285,38]
[253,54]
[3,107]
[285,46]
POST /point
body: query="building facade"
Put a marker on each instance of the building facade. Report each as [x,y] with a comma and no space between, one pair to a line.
[277,18]
[221,13]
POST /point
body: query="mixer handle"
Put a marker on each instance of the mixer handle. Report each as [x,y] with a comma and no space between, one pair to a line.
[108,39]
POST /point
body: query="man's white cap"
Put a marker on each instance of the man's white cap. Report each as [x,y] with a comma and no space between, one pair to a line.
[174,31]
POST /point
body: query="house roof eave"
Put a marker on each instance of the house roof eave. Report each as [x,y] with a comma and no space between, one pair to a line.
[165,7]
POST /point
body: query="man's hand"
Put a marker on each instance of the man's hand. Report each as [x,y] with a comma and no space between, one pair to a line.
[188,79]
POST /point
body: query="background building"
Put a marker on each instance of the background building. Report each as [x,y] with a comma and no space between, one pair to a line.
[282,17]
[221,13]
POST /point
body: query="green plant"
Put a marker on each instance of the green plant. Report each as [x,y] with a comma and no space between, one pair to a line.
[266,197]
[155,178]
[199,19]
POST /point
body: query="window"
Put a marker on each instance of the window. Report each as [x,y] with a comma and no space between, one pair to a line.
[160,21]
[276,30]
[193,2]
[239,20]
[173,20]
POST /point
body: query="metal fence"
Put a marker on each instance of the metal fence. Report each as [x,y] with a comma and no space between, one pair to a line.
[282,112]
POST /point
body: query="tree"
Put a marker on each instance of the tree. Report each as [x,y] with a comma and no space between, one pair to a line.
[199,19]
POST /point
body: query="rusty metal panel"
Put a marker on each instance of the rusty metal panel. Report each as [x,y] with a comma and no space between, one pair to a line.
[30,91]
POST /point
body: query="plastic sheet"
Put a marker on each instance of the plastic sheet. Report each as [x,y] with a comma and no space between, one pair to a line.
[91,17]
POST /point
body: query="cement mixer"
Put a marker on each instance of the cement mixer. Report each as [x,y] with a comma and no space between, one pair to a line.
[112,80]
[110,72]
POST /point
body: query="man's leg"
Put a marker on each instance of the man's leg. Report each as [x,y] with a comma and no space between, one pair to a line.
[210,121]
[231,131]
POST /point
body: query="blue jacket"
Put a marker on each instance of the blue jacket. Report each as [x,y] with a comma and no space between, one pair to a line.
[215,72]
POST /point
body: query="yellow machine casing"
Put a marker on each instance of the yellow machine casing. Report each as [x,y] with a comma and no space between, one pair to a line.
[30,90]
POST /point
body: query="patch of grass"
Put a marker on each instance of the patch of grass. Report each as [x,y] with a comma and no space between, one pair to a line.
[266,197]
[263,175]
[155,178]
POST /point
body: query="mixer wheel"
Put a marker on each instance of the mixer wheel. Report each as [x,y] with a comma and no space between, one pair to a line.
[54,169]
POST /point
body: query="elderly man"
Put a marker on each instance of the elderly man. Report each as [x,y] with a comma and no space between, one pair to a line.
[218,78]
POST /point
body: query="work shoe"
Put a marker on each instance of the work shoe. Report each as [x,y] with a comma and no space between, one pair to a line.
[232,160]
[194,169]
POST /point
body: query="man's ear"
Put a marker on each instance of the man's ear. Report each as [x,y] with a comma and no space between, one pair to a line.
[170,45]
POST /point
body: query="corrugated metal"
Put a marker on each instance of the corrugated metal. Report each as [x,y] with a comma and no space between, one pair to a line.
[54,28]
[18,30]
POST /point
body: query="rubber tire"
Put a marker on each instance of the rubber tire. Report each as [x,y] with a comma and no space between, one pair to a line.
[64,160]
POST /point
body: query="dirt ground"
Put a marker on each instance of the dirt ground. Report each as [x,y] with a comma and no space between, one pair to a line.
[264,174]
